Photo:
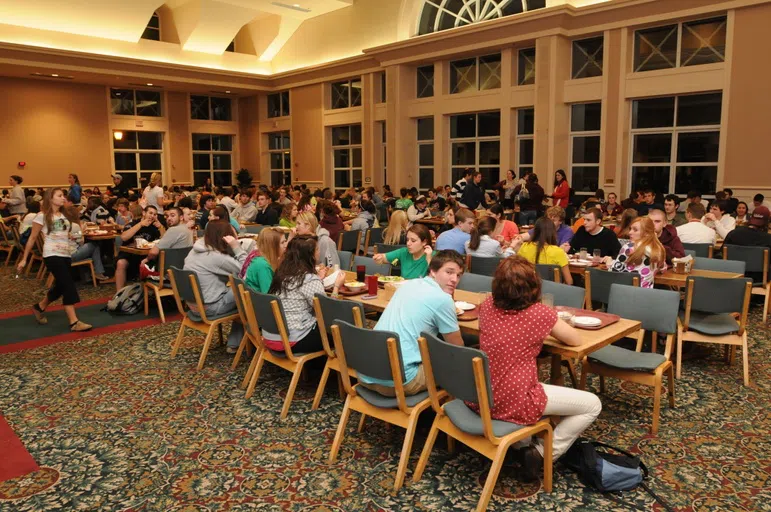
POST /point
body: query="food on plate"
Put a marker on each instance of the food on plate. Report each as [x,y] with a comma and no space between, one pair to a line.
[389,279]
[354,284]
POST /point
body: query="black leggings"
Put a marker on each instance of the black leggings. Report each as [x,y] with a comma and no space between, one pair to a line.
[64,285]
[310,343]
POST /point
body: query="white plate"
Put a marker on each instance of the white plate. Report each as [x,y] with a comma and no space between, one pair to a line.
[586,321]
[580,263]
[355,286]
[329,281]
[465,306]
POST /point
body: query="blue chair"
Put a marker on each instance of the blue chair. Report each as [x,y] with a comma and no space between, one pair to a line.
[700,250]
[756,261]
[349,241]
[475,283]
[548,272]
[371,266]
[598,283]
[255,229]
[482,266]
[346,258]
[564,294]
[733,266]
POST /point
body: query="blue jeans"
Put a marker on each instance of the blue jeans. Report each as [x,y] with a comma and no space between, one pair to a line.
[89,250]
[528,217]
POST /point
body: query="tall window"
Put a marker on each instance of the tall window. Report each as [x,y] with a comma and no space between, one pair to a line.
[587,57]
[137,155]
[525,140]
[477,73]
[381,80]
[425,126]
[684,44]
[475,142]
[384,150]
[446,14]
[128,102]
[346,156]
[153,28]
[676,142]
[210,107]
[213,158]
[280,158]
[346,94]
[278,104]
[526,67]
[425,79]
[585,146]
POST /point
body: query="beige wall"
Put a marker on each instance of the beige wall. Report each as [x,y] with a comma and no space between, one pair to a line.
[57,128]
[178,142]
[307,134]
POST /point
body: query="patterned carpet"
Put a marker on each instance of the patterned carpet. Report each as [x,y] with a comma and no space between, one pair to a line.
[115,424]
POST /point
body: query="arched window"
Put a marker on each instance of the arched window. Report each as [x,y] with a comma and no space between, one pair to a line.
[445,14]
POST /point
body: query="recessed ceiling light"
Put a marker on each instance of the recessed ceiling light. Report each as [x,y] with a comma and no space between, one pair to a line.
[54,74]
[295,5]
[149,85]
[227,92]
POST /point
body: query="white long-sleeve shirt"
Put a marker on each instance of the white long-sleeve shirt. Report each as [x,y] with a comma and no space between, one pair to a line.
[695,232]
[725,225]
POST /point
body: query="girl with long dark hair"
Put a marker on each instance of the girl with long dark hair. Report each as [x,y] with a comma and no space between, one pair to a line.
[561,193]
[482,242]
[543,249]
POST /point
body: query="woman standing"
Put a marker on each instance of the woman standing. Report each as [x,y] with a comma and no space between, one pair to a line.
[271,245]
[55,222]
[561,193]
[505,230]
[75,193]
[415,258]
[288,216]
[482,242]
[508,189]
[513,324]
[153,193]
[643,254]
[542,249]
[17,203]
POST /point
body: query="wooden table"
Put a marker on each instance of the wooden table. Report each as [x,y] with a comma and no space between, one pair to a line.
[669,278]
[592,340]
[97,238]
[431,221]
[133,249]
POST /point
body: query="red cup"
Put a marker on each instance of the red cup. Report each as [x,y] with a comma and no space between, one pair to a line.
[360,273]
[372,285]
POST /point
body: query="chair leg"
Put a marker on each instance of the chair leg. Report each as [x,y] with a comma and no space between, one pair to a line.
[584,373]
[671,387]
[178,341]
[147,300]
[322,385]
[572,372]
[205,349]
[340,387]
[492,477]
[426,453]
[766,304]
[93,274]
[160,308]
[241,347]
[256,373]
[450,444]
[745,359]
[548,456]
[219,330]
[404,458]
[679,361]
[290,392]
[602,384]
[656,405]
[250,371]
[362,422]
[340,430]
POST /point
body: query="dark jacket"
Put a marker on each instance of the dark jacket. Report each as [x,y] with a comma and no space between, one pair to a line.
[269,217]
[333,224]
[671,243]
[535,201]
[473,196]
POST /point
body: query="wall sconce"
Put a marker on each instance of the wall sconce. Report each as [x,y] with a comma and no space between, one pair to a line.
[118,135]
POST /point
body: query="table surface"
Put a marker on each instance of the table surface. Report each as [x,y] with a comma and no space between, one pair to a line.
[669,277]
[436,221]
[133,249]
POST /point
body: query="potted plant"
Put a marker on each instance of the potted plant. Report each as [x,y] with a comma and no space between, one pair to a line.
[244,178]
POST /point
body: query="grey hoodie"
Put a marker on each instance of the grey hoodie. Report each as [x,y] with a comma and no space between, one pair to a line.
[17,203]
[327,248]
[213,269]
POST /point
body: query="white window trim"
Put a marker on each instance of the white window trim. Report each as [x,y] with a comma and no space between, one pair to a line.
[280,95]
[282,151]
[574,135]
[426,142]
[211,154]
[137,152]
[519,167]
[134,92]
[210,120]
[476,140]
[351,168]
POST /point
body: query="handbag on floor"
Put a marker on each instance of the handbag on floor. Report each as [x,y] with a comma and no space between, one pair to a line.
[128,301]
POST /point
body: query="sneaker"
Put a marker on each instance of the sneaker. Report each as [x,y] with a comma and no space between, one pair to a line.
[101,277]
[39,315]
[80,327]
[231,350]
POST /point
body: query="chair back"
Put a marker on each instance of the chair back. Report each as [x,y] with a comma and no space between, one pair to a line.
[329,311]
[735,266]
[453,369]
[701,250]
[655,309]
[346,258]
[715,295]
[548,272]
[119,242]
[255,229]
[372,235]
[262,304]
[9,241]
[483,266]
[755,258]
[475,283]
[366,351]
[168,258]
[372,267]
[689,252]
[17,237]
[564,294]
[598,283]
[187,290]
[235,282]
[349,241]
[384,248]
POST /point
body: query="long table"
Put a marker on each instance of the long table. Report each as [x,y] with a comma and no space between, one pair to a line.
[592,340]
[669,277]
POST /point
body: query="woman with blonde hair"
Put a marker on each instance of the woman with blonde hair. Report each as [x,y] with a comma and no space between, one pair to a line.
[307,224]
[622,230]
[396,232]
[271,245]
[643,254]
[153,193]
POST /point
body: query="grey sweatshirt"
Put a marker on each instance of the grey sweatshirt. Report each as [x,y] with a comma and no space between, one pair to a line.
[17,203]
[327,248]
[213,269]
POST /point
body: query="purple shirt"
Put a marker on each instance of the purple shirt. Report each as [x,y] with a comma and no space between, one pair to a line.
[564,234]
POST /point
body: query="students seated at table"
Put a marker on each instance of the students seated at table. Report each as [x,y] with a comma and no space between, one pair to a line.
[245,211]
[418,210]
[206,203]
[564,233]
[266,215]
[483,244]
[759,200]
[593,236]
[449,220]
[415,258]
[396,231]
[755,233]
[612,208]
[741,214]
[457,237]
[694,231]
[643,254]
[262,263]
[178,235]
[223,198]
[718,220]
[148,228]
[365,219]
[435,199]
[404,201]
[25,223]
[622,228]
[513,325]
[308,225]
[83,250]
[213,258]
[330,219]
[542,248]
[530,196]
[503,228]
[421,305]
[674,218]
[667,234]
[694,196]
[288,216]
[221,213]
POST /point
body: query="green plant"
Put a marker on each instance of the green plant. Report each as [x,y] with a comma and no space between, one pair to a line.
[244,178]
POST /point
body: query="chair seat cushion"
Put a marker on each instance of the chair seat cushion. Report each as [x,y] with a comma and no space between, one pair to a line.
[625,359]
[195,317]
[471,423]
[711,324]
[386,402]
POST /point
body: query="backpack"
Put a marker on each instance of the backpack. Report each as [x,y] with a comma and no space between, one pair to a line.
[128,301]
[608,472]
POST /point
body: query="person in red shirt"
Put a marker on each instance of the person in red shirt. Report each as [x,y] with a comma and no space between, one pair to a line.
[513,324]
[561,193]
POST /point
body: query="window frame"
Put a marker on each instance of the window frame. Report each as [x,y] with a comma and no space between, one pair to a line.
[429,81]
[351,168]
[519,167]
[590,59]
[154,29]
[349,103]
[679,30]
[211,172]
[477,85]
[285,172]
[477,140]
[137,152]
[581,134]
[161,100]
[210,110]
[425,143]
[283,101]
[524,80]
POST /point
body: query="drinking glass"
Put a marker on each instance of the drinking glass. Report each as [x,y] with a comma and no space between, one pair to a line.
[597,253]
[583,253]
[361,272]
[547,299]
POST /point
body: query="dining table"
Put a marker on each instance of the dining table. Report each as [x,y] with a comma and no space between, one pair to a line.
[431,221]
[132,248]
[667,278]
[591,340]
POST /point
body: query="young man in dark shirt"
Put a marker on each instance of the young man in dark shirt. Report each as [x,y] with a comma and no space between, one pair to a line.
[473,195]
[593,236]
[666,232]
[755,233]
[148,228]
[266,215]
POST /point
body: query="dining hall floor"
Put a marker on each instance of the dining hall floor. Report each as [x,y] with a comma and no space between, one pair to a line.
[115,424]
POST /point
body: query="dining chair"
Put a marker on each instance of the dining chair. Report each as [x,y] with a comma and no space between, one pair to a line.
[255,229]
[733,266]
[371,236]
[597,284]
[756,260]
[564,294]
[236,284]
[656,310]
[475,283]
[386,248]
[710,306]
[187,291]
[328,311]
[701,250]
[456,376]
[481,265]
[371,266]
[346,257]
[167,258]
[7,243]
[349,241]
[376,354]
[548,272]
